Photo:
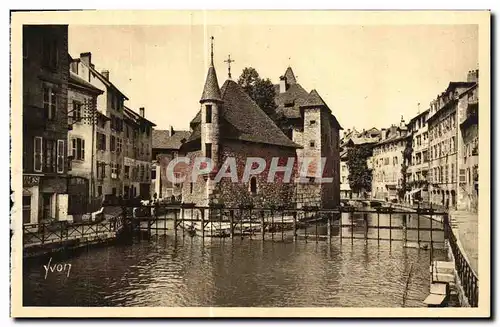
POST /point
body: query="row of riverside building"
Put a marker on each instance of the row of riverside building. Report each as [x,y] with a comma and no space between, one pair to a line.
[432,159]
[81,144]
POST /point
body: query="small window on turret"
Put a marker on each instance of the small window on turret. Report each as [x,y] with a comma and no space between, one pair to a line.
[208,112]
[312,122]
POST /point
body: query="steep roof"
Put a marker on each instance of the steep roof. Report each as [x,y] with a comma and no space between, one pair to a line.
[211,90]
[314,100]
[77,80]
[290,76]
[250,121]
[103,79]
[289,102]
[135,117]
[243,120]
[163,140]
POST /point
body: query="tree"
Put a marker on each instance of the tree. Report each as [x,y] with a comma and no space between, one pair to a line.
[360,177]
[260,90]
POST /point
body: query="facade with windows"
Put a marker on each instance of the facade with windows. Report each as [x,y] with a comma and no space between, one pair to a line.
[387,162]
[444,149]
[45,122]
[110,128]
[82,139]
[137,147]
[166,145]
[418,166]
[468,159]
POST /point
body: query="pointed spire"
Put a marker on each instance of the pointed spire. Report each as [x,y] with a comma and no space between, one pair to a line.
[211,51]
[211,91]
[290,76]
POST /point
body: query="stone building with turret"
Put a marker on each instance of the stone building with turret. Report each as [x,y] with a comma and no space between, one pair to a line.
[230,124]
[308,121]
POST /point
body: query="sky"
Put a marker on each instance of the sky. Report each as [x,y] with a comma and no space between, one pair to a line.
[368,75]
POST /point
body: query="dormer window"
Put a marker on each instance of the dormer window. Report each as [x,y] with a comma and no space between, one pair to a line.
[208,113]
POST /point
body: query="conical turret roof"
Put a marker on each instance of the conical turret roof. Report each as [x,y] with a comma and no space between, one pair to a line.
[211,91]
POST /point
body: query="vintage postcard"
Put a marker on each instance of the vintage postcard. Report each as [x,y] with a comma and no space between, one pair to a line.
[250,164]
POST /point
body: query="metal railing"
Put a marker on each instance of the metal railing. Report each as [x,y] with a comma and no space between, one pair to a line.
[468,278]
[313,222]
[37,234]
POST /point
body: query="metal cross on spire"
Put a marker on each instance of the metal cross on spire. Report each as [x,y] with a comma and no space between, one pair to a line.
[211,50]
[229,61]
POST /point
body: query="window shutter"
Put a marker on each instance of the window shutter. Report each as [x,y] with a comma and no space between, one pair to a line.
[60,156]
[37,154]
[82,150]
[73,149]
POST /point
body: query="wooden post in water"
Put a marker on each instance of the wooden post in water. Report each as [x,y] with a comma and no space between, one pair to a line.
[220,222]
[175,224]
[431,227]
[250,222]
[390,223]
[378,226]
[329,227]
[203,223]
[262,223]
[351,216]
[272,224]
[241,223]
[210,221]
[341,227]
[405,230]
[316,224]
[418,228]
[182,222]
[295,226]
[282,224]
[305,225]
[365,219]
[231,221]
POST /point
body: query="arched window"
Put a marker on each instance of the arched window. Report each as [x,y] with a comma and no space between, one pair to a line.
[253,185]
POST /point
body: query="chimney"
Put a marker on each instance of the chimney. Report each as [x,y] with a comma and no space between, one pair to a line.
[141,112]
[86,58]
[172,132]
[282,84]
[382,134]
[105,73]
[473,76]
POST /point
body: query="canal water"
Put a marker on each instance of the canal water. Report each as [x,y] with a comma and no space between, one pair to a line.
[189,271]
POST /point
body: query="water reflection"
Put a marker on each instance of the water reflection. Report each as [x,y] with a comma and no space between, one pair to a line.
[239,272]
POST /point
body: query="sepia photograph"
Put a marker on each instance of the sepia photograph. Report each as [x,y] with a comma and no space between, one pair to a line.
[250,163]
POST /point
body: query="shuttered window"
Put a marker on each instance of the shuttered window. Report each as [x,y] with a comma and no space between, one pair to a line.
[60,156]
[37,154]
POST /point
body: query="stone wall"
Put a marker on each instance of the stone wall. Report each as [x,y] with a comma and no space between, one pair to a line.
[276,192]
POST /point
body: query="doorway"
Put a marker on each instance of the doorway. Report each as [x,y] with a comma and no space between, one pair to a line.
[47,206]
